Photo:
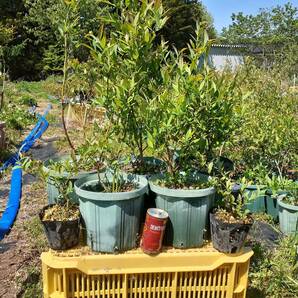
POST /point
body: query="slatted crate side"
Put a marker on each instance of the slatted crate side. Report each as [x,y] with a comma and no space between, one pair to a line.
[179,274]
[151,285]
[70,283]
[241,280]
[91,286]
[204,283]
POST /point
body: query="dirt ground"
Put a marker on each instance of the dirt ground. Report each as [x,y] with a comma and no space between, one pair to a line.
[15,250]
[20,268]
[20,250]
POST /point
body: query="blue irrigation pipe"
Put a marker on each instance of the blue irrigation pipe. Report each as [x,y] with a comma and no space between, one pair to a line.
[15,194]
[13,204]
[38,125]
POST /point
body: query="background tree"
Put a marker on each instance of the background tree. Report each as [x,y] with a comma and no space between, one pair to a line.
[183,17]
[272,27]
[43,20]
[273,31]
[35,51]
[20,46]
[6,36]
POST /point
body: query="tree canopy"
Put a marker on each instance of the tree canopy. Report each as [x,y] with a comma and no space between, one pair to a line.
[36,48]
[277,26]
[273,32]
[183,16]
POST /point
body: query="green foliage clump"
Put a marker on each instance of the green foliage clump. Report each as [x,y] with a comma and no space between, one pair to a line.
[28,100]
[275,274]
[16,117]
[267,133]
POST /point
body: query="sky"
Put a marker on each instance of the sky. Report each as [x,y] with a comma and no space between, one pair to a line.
[221,10]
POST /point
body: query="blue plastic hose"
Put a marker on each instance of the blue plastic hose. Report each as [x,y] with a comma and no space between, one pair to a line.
[13,204]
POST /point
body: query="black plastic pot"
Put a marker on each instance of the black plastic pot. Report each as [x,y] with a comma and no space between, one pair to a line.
[222,164]
[228,237]
[61,235]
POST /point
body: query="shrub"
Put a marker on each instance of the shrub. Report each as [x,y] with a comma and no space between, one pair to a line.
[28,100]
[129,65]
[268,132]
[275,274]
[193,113]
[16,117]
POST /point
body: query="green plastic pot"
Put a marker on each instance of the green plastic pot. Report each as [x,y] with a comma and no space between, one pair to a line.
[52,190]
[112,220]
[188,212]
[260,201]
[288,217]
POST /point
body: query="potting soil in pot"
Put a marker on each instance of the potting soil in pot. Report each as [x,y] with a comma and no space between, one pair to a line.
[61,234]
[228,237]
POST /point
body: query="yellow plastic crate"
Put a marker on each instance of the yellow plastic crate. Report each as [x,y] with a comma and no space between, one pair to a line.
[191,273]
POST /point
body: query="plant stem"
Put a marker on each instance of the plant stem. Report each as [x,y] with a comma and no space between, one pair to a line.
[278,168]
[63,92]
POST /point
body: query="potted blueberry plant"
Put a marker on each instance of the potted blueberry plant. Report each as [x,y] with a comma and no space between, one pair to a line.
[129,46]
[74,168]
[60,219]
[285,191]
[191,115]
[230,221]
[258,193]
[110,201]
[288,212]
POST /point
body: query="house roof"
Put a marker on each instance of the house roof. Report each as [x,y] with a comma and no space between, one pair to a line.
[251,48]
[228,46]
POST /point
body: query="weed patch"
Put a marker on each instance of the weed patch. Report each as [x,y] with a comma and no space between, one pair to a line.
[34,232]
[275,273]
[29,282]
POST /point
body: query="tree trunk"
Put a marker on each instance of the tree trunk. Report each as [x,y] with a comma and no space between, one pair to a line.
[3,87]
[1,100]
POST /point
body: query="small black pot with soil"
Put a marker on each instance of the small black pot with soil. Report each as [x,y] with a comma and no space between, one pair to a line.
[228,237]
[61,234]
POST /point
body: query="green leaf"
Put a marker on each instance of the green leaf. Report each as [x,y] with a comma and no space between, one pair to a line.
[150,141]
[147,35]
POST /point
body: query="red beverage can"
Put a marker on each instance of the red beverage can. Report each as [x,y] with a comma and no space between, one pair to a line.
[154,229]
